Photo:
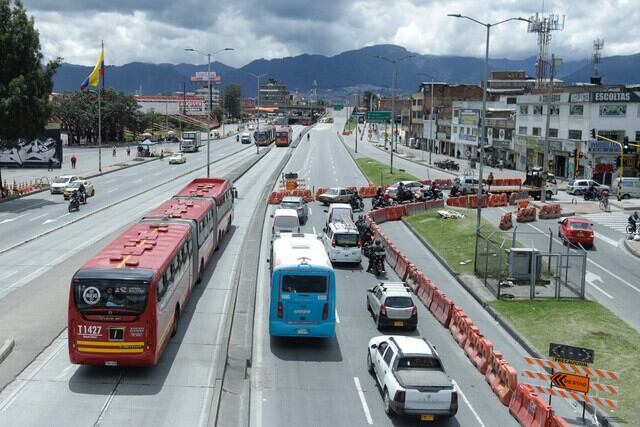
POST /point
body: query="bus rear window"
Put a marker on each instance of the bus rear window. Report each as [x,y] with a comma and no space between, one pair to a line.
[304,284]
[348,240]
[111,295]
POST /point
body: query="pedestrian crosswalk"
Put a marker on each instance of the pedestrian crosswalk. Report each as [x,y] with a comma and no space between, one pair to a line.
[614,220]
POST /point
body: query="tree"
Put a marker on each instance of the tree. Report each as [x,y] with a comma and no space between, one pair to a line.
[231,98]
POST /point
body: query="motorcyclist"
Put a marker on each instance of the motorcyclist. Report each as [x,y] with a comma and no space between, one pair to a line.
[633,220]
[82,192]
[356,199]
[434,191]
[455,191]
[400,196]
[591,191]
[308,136]
[379,192]
[237,138]
[376,251]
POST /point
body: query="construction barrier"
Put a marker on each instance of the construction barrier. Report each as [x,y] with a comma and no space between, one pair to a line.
[529,409]
[367,192]
[275,198]
[459,325]
[444,183]
[496,200]
[379,215]
[491,375]
[402,266]
[394,213]
[527,214]
[391,254]
[319,191]
[413,208]
[550,211]
[425,290]
[441,307]
[472,201]
[506,384]
[413,277]
[459,202]
[506,221]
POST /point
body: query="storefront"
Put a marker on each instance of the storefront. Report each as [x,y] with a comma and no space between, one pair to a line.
[602,166]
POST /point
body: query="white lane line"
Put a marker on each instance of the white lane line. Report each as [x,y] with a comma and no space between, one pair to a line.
[112,190]
[337,317]
[55,219]
[13,219]
[314,230]
[473,411]
[600,289]
[7,274]
[607,240]
[38,217]
[310,212]
[363,401]
[615,276]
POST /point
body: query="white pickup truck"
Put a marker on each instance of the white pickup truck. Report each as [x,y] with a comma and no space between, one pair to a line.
[411,377]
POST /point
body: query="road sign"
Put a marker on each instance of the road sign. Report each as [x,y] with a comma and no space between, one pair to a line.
[568,354]
[604,402]
[571,382]
[379,116]
[338,107]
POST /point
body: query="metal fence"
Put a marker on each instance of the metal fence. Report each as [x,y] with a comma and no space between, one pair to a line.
[562,267]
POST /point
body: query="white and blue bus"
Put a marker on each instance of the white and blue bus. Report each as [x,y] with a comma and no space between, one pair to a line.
[303,288]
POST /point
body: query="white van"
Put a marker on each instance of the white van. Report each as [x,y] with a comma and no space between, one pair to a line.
[342,242]
[339,212]
[630,187]
[285,221]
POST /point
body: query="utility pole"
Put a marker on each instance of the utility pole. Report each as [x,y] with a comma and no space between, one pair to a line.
[547,143]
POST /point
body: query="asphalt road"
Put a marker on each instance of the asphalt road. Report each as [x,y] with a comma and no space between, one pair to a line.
[181,389]
[317,382]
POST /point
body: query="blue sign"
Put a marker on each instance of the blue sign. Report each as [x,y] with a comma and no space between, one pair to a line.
[603,147]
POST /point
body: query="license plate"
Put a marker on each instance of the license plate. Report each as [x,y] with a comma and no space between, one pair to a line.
[398,323]
[580,234]
[302,331]
[426,417]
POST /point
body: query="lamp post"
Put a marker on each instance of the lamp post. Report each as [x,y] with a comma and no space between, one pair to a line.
[430,116]
[393,97]
[355,108]
[258,77]
[208,55]
[484,101]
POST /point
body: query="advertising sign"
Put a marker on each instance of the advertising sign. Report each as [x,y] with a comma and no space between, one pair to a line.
[203,76]
[35,153]
[468,118]
[613,110]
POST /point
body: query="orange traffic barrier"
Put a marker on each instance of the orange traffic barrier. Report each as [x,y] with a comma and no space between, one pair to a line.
[506,221]
[441,307]
[413,208]
[275,197]
[549,211]
[485,351]
[491,374]
[426,290]
[527,214]
[412,277]
[458,325]
[320,190]
[391,255]
[529,409]
[402,265]
[394,213]
[379,215]
[506,384]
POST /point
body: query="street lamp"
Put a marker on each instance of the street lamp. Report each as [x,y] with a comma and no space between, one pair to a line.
[430,116]
[484,100]
[393,97]
[355,108]
[208,55]
[258,77]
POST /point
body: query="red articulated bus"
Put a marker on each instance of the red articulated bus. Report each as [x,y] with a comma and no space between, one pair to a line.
[284,134]
[124,303]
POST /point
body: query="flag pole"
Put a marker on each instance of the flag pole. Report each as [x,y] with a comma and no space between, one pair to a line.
[100,120]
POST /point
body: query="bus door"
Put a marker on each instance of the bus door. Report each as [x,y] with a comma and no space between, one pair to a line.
[305,297]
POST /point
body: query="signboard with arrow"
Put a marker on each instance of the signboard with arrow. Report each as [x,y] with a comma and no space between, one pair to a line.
[571,382]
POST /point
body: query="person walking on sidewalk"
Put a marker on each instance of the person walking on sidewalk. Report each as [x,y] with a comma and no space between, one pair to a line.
[128,151]
[489,181]
[74,159]
[49,165]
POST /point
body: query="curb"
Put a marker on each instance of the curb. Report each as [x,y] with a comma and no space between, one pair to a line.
[504,323]
[375,145]
[634,251]
[6,348]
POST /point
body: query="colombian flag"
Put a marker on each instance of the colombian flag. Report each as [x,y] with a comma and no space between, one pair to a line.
[94,78]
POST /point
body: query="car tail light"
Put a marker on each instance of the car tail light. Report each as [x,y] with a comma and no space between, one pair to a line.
[454,403]
[414,311]
[399,396]
[333,242]
[280,311]
[359,243]
[383,310]
[325,311]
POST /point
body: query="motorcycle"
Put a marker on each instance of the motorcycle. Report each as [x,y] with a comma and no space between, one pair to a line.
[377,263]
[631,228]
[381,202]
[404,196]
[357,204]
[74,203]
[589,196]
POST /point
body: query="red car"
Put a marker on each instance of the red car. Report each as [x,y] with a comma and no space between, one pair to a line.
[576,230]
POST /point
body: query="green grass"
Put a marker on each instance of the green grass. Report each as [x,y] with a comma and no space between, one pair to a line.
[350,125]
[584,324]
[453,239]
[372,169]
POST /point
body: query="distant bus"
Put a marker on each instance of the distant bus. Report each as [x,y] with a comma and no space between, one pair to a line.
[303,288]
[190,142]
[125,302]
[264,136]
[284,134]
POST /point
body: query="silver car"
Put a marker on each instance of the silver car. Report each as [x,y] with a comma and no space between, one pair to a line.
[298,204]
[413,186]
[391,304]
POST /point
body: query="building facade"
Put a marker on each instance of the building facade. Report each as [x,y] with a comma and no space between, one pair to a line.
[274,94]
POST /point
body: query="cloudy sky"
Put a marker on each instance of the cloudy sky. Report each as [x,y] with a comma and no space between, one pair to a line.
[158,30]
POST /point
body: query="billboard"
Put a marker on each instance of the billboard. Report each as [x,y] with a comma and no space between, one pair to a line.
[469,118]
[203,76]
[35,153]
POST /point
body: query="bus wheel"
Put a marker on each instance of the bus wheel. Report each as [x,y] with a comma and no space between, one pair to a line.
[176,315]
[200,271]
[218,242]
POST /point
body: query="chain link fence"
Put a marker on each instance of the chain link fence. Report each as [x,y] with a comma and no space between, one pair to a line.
[504,262]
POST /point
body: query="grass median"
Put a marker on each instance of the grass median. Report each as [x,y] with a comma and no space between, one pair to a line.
[379,174]
[572,322]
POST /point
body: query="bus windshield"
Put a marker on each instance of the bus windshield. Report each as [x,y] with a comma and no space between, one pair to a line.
[282,134]
[111,294]
[304,284]
[260,135]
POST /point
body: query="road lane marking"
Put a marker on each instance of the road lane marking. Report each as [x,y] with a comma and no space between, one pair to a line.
[55,219]
[473,411]
[38,217]
[607,240]
[363,401]
[337,317]
[314,230]
[112,190]
[7,274]
[13,219]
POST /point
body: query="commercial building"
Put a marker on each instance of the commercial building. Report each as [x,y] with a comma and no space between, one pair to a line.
[274,94]
[190,105]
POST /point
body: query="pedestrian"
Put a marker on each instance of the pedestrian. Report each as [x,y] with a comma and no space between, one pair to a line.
[74,159]
[489,181]
[50,164]
[128,151]
[458,154]
[114,151]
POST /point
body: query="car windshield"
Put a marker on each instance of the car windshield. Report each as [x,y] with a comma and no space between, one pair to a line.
[341,214]
[75,184]
[286,222]
[332,192]
[398,302]
[346,239]
[93,294]
[61,180]
[304,284]
[419,362]
[290,205]
[580,225]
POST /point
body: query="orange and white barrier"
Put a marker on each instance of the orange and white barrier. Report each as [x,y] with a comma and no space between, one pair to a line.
[549,211]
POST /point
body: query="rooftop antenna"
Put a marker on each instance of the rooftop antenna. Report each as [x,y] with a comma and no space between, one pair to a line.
[598,45]
[543,26]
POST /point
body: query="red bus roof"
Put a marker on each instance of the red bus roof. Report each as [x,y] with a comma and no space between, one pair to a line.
[181,208]
[143,245]
[283,128]
[206,187]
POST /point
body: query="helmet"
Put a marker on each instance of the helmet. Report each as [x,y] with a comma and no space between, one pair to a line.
[378,242]
[379,188]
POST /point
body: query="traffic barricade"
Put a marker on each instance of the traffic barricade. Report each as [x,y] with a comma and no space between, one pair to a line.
[425,290]
[394,213]
[519,405]
[320,190]
[506,221]
[275,197]
[402,266]
[391,255]
[506,382]
[379,215]
[491,375]
[413,208]
[441,307]
[458,326]
[413,277]
[485,351]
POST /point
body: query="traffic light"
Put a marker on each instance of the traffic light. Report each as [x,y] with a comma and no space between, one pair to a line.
[593,134]
[625,142]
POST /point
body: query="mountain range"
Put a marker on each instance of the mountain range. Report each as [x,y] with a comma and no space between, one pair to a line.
[355,68]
